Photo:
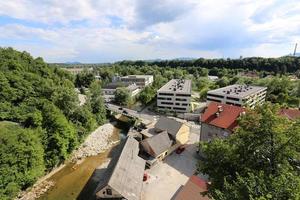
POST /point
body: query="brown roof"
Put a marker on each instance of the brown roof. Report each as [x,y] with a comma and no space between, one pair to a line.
[227,118]
[192,190]
[291,114]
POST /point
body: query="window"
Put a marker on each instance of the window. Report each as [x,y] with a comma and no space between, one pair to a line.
[231,98]
[165,94]
[177,108]
[180,99]
[183,95]
[167,103]
[215,95]
[177,104]
[184,104]
[209,99]
[108,191]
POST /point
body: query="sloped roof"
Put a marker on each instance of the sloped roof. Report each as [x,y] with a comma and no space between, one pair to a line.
[158,143]
[227,118]
[192,189]
[125,172]
[291,114]
[170,125]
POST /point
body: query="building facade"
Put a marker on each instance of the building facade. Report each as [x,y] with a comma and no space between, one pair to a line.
[219,120]
[110,89]
[175,96]
[238,95]
[139,80]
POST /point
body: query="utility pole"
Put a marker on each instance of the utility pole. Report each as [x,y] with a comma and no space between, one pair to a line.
[295,49]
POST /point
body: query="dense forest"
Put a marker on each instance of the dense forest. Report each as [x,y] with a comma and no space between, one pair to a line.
[41,121]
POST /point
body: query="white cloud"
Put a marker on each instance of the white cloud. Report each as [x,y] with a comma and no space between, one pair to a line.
[105,30]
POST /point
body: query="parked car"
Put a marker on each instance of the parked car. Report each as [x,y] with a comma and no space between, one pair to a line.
[120,108]
[124,111]
[180,149]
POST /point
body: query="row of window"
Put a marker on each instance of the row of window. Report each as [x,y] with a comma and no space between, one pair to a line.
[171,94]
[175,108]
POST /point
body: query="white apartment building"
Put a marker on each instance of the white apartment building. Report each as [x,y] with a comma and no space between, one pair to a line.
[139,80]
[238,95]
[175,96]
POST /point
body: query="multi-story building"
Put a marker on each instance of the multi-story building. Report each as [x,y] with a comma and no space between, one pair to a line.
[110,89]
[139,80]
[238,95]
[175,95]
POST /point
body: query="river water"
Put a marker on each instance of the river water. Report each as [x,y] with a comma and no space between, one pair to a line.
[71,179]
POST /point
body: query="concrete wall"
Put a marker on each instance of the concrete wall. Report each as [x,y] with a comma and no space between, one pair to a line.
[208,132]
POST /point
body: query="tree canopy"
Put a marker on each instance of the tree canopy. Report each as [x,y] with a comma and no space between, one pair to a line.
[48,121]
[259,161]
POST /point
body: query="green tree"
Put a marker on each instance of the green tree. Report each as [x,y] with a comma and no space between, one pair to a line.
[147,95]
[259,161]
[21,160]
[122,96]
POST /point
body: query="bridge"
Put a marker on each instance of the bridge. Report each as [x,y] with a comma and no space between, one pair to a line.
[145,118]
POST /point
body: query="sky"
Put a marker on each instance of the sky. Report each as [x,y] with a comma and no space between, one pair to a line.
[94,31]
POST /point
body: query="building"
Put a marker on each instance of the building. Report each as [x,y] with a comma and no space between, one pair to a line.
[139,80]
[78,70]
[158,145]
[110,89]
[238,95]
[219,120]
[175,96]
[192,190]
[291,114]
[124,176]
[213,78]
[178,131]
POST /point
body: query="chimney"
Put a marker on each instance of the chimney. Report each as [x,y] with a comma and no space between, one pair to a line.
[220,108]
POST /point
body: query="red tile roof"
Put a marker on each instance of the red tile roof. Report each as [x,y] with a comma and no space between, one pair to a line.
[292,114]
[192,189]
[227,118]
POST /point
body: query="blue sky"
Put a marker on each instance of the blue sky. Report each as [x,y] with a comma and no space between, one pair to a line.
[107,31]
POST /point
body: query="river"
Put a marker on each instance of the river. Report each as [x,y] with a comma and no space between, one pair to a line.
[71,179]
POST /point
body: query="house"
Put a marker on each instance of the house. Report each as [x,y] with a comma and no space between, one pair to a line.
[124,176]
[291,114]
[139,80]
[219,120]
[178,131]
[192,190]
[175,96]
[158,145]
[78,70]
[238,95]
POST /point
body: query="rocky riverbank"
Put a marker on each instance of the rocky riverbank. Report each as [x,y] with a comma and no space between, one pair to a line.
[97,142]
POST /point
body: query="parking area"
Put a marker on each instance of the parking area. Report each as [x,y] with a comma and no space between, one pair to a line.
[168,176]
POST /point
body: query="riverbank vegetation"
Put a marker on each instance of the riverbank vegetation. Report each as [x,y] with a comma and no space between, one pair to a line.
[40,118]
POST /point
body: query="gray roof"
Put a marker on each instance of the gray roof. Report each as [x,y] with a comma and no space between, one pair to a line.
[170,125]
[239,91]
[177,86]
[125,171]
[157,143]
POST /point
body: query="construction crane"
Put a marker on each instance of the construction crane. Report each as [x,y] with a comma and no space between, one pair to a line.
[295,49]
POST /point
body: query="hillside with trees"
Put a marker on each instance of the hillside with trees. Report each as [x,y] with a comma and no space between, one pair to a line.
[41,121]
[259,161]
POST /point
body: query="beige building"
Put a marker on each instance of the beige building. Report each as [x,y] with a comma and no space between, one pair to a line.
[78,70]
[139,80]
[110,89]
[175,96]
